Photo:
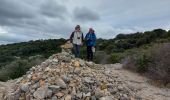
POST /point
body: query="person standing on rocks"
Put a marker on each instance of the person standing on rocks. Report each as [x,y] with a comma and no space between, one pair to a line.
[77,39]
[90,39]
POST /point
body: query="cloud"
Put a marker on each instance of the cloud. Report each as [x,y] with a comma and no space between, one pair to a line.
[23,20]
[15,9]
[85,14]
[31,20]
[53,9]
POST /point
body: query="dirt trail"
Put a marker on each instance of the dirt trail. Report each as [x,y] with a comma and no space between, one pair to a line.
[135,81]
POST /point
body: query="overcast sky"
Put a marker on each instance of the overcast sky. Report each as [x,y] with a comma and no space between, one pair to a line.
[23,20]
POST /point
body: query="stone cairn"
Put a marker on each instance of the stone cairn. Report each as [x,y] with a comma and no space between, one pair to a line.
[64,77]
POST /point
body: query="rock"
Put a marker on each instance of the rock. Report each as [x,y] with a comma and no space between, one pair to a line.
[125,96]
[113,91]
[19,80]
[28,97]
[54,98]
[42,83]
[25,87]
[77,64]
[13,96]
[68,97]
[65,78]
[29,76]
[93,98]
[79,95]
[22,97]
[41,93]
[67,59]
[103,86]
[59,94]
[89,64]
[36,85]
[88,80]
[99,93]
[120,88]
[87,98]
[87,94]
[44,64]
[55,60]
[47,69]
[49,93]
[82,63]
[60,83]
[54,88]
[67,45]
[107,98]
[77,70]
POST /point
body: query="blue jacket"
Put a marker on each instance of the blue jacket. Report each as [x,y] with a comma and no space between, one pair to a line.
[90,39]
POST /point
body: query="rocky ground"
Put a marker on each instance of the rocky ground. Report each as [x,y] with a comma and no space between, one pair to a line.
[63,77]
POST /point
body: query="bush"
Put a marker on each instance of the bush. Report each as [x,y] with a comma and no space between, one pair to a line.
[116,57]
[154,62]
[36,60]
[19,67]
[101,57]
[137,62]
[142,63]
[14,70]
[159,68]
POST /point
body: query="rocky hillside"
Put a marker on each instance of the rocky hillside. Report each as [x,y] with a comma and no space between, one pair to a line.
[63,77]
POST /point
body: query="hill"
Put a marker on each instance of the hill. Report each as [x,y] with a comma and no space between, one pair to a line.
[63,77]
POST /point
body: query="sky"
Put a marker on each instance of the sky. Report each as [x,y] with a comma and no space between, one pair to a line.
[24,20]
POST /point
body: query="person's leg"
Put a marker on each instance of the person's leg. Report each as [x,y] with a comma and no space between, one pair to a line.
[88,53]
[78,51]
[91,54]
[75,49]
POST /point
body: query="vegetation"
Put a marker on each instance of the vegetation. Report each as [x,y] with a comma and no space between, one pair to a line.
[17,58]
[144,52]
[123,42]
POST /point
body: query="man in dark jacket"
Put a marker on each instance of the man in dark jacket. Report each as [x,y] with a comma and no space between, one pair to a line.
[90,39]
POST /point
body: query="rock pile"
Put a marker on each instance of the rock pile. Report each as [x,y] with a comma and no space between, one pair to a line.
[63,77]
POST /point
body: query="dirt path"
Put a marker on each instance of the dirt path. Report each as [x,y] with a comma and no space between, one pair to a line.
[135,81]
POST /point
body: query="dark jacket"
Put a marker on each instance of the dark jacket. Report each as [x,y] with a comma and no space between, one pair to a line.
[90,39]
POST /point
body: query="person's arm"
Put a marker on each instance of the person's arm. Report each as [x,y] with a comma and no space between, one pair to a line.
[82,38]
[87,38]
[94,40]
[71,37]
[95,37]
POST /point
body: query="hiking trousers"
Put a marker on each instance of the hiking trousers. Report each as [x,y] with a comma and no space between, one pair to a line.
[89,53]
[76,50]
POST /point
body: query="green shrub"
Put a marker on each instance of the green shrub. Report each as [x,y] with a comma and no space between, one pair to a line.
[14,70]
[142,63]
[159,67]
[116,57]
[154,62]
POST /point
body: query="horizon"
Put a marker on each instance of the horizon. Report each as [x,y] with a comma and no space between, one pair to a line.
[54,19]
[68,38]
